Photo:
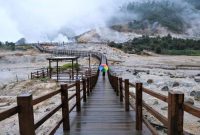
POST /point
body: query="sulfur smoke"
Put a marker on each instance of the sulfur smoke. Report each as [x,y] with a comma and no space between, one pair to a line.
[60,20]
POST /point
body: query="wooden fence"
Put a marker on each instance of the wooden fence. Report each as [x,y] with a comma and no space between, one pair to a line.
[41,73]
[25,103]
[175,100]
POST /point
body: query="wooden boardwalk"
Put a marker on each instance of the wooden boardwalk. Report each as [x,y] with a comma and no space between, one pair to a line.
[102,114]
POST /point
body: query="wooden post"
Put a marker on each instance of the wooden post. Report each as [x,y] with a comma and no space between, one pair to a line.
[78,96]
[88,87]
[50,70]
[175,113]
[121,89]
[37,74]
[91,83]
[138,105]
[57,69]
[65,107]
[127,95]
[25,115]
[76,68]
[84,90]
[72,69]
[47,72]
[117,86]
[43,75]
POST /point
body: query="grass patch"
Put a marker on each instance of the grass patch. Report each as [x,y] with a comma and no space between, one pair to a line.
[69,66]
[182,52]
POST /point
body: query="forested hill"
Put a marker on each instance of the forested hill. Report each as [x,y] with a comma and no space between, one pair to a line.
[177,16]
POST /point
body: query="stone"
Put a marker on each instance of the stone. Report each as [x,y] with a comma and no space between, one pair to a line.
[149,81]
[155,102]
[189,101]
[192,93]
[172,76]
[47,110]
[164,108]
[197,79]
[165,88]
[197,96]
[175,84]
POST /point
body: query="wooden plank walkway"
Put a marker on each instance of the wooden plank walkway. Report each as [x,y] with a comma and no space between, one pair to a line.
[102,114]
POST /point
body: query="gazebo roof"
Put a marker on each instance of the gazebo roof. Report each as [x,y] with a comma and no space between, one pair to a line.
[63,58]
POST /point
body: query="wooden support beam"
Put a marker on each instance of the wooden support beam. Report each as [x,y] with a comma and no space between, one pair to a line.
[77,69]
[88,87]
[117,86]
[120,89]
[78,96]
[25,115]
[84,90]
[57,69]
[65,107]
[127,95]
[138,106]
[72,69]
[175,113]
[50,70]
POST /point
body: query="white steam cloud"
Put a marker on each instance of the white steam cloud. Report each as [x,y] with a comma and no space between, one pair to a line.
[42,20]
[58,20]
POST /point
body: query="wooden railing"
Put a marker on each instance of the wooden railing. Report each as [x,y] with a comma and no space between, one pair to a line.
[42,73]
[175,100]
[25,103]
[68,52]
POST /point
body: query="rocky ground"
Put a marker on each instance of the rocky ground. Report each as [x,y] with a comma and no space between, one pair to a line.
[159,73]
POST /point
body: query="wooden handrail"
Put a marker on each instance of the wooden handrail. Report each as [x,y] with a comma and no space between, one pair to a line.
[175,113]
[151,128]
[30,103]
[71,97]
[155,94]
[8,113]
[45,97]
[156,114]
[132,84]
[71,86]
[192,109]
[132,95]
[53,130]
[47,116]
[71,109]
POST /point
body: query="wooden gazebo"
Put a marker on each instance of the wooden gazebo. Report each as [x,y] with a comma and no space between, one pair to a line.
[58,59]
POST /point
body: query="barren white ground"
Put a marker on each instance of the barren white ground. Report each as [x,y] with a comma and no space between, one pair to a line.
[163,70]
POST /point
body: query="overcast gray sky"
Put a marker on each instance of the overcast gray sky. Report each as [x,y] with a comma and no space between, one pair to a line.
[37,20]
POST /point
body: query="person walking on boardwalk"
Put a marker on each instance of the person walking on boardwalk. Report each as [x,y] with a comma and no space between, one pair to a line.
[103,68]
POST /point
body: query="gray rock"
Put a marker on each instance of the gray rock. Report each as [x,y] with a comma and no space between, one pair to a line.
[192,93]
[164,108]
[155,102]
[189,101]
[172,76]
[149,81]
[197,79]
[175,84]
[197,96]
[165,88]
